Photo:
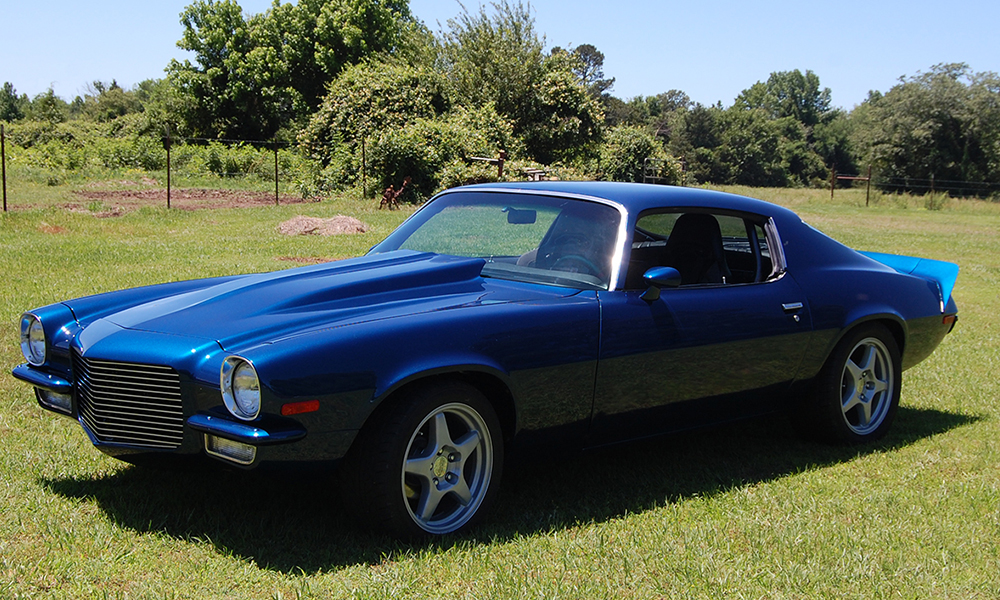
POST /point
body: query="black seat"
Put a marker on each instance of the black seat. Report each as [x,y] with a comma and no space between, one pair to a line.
[695,249]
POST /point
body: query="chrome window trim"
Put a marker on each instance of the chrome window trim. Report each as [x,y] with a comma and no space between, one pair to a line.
[776,249]
[616,258]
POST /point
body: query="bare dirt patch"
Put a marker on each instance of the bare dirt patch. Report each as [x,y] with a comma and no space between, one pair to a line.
[307,260]
[50,229]
[128,200]
[338,225]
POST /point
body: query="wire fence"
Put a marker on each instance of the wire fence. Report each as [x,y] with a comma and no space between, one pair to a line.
[263,160]
[916,185]
[275,144]
[162,157]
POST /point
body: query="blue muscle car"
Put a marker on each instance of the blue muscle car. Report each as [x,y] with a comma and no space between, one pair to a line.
[498,317]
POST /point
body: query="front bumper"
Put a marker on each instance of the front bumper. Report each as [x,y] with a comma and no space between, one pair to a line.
[264,431]
[239,440]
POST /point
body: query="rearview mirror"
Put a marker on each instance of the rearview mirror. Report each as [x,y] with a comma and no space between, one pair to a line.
[520,217]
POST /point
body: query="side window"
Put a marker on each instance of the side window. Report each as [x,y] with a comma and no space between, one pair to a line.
[707,249]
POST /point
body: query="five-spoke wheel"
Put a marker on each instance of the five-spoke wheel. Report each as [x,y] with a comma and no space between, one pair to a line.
[857,392]
[430,465]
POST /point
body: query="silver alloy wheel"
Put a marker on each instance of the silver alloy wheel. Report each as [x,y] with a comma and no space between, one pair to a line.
[447,468]
[867,386]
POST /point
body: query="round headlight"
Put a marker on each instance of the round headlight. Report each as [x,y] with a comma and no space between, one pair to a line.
[240,388]
[32,339]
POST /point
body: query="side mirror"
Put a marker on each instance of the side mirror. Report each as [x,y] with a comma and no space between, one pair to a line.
[657,278]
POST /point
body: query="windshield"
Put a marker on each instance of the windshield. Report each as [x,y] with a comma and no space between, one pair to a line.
[523,237]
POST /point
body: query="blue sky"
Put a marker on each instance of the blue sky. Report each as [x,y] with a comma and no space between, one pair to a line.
[710,49]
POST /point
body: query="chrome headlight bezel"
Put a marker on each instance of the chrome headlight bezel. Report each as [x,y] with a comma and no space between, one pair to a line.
[34,345]
[240,388]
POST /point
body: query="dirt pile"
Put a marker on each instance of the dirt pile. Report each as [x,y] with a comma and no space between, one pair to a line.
[338,225]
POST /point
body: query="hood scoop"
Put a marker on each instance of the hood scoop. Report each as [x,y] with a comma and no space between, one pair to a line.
[257,304]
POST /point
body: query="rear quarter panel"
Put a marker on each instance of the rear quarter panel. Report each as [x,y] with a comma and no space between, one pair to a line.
[845,289]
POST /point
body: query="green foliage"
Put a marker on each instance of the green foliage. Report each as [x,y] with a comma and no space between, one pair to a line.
[369,98]
[141,152]
[624,151]
[498,59]
[253,76]
[587,64]
[436,153]
[107,102]
[28,133]
[47,107]
[11,105]
[944,124]
[789,94]
[564,118]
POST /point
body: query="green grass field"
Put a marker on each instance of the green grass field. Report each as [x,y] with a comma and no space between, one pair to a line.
[746,511]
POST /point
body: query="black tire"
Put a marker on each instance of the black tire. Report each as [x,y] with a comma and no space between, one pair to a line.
[429,464]
[856,395]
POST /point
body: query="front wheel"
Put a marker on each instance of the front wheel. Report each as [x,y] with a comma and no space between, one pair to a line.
[857,393]
[431,465]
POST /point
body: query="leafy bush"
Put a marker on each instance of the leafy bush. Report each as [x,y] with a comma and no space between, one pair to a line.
[145,153]
[369,98]
[437,153]
[624,151]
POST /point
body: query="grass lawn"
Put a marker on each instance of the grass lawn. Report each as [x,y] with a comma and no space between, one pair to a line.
[746,511]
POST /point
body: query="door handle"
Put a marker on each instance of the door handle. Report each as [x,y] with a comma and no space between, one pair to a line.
[791,307]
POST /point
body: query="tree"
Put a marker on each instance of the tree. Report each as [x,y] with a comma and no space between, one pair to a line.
[943,124]
[48,108]
[800,112]
[370,99]
[106,102]
[625,150]
[226,96]
[587,63]
[498,59]
[11,105]
[789,94]
[254,75]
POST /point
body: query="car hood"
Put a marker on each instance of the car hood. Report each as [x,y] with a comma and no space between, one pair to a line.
[246,311]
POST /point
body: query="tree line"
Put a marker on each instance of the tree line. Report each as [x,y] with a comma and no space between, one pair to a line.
[363,87]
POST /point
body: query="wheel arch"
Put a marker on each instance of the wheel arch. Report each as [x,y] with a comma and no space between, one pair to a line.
[891,321]
[491,382]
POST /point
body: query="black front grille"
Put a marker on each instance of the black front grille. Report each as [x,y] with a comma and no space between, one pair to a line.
[128,403]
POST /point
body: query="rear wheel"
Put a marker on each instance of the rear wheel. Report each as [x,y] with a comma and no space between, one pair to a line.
[857,393]
[430,465]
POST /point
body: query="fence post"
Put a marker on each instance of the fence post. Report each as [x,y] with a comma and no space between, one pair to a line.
[3,164]
[868,188]
[276,171]
[364,169]
[168,166]
[833,180]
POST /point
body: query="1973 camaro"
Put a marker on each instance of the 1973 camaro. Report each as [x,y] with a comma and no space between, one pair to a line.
[498,317]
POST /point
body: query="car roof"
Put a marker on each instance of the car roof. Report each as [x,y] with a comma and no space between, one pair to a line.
[638,197]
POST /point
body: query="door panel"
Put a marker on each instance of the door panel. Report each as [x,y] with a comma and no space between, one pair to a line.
[726,348]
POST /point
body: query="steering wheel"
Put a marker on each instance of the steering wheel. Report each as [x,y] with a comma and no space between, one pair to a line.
[591,267]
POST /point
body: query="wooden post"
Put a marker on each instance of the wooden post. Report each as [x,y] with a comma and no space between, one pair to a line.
[276,172]
[364,170]
[833,180]
[868,188]
[168,166]
[503,157]
[3,164]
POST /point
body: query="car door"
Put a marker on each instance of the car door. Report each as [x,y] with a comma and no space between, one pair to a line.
[702,352]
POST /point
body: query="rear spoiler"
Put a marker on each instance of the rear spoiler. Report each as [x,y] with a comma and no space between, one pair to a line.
[938,271]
